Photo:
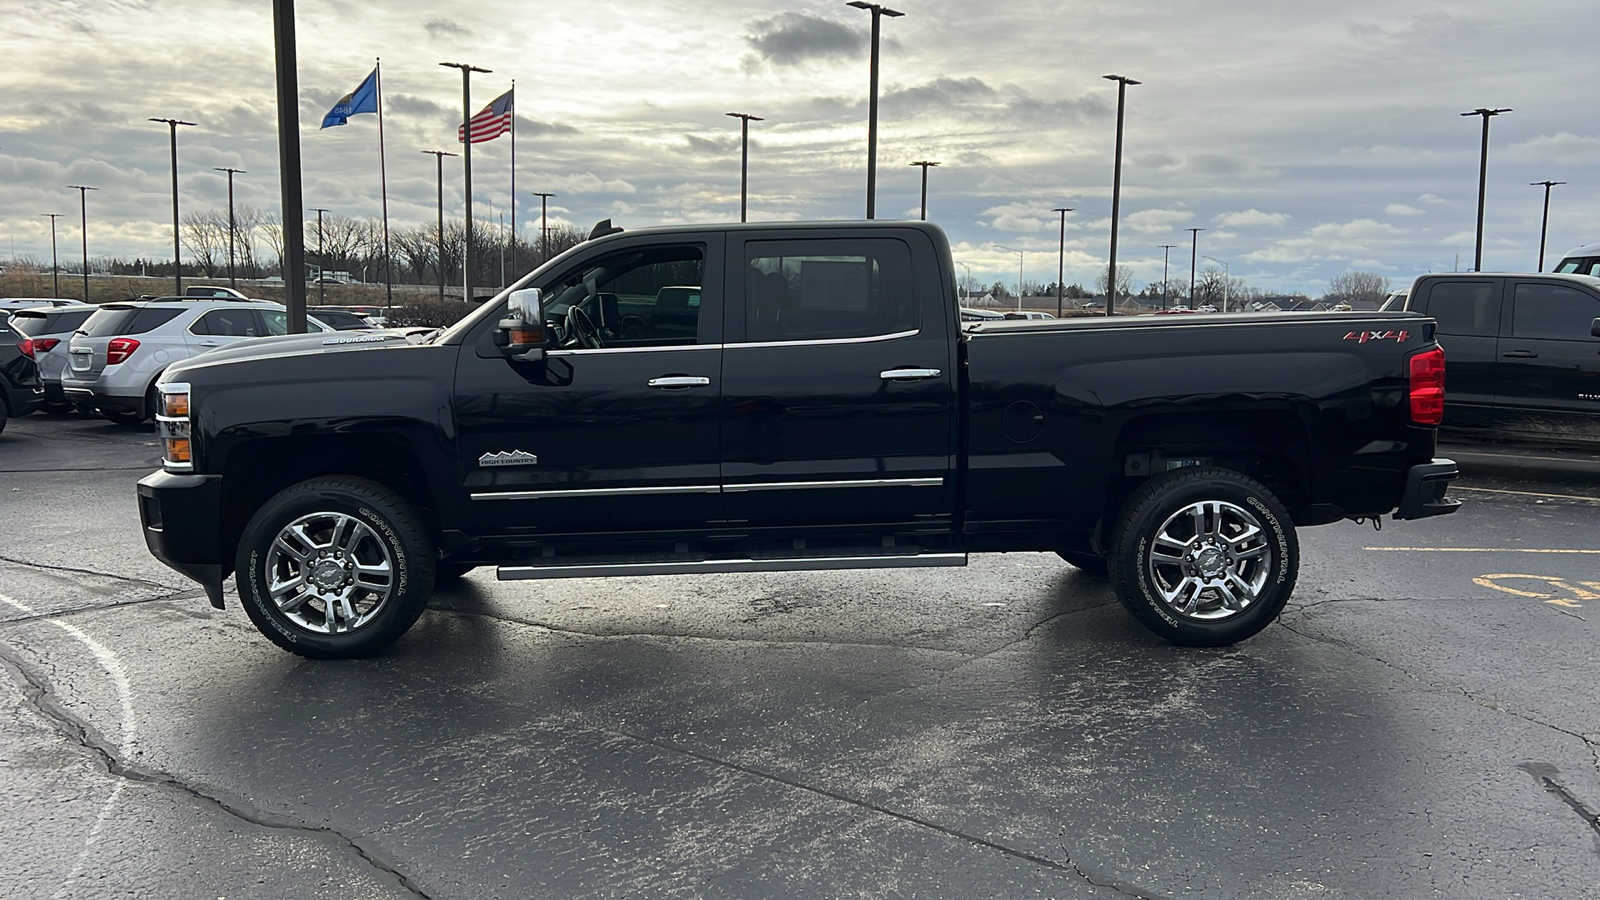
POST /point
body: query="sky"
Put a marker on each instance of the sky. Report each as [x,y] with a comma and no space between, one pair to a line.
[1307,139]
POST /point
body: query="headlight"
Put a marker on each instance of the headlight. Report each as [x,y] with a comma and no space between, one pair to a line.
[172,421]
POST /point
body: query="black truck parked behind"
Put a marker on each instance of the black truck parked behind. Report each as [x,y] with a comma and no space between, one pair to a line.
[784,397]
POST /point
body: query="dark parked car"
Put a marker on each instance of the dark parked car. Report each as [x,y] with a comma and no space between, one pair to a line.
[51,329]
[1524,361]
[21,392]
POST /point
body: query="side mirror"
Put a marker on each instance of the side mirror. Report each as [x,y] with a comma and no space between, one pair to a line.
[1594,328]
[523,327]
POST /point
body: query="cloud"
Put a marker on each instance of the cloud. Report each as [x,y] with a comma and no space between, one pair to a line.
[1154,221]
[440,28]
[1400,209]
[1431,198]
[1249,217]
[792,39]
[940,93]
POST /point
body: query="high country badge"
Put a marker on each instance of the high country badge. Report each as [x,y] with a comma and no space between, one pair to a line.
[508,458]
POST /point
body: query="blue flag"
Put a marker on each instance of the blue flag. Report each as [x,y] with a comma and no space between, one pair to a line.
[364,99]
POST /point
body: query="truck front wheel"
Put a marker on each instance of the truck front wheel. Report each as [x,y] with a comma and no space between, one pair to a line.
[335,567]
[1204,557]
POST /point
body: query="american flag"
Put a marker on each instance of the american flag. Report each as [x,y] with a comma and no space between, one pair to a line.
[493,121]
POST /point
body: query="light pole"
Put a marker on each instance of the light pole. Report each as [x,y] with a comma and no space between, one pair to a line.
[1483,179]
[1116,185]
[177,258]
[544,221]
[1194,248]
[924,164]
[744,158]
[232,228]
[1227,280]
[1061,258]
[1166,253]
[878,12]
[293,258]
[1544,223]
[466,155]
[322,261]
[55,270]
[83,207]
[1019,274]
[439,155]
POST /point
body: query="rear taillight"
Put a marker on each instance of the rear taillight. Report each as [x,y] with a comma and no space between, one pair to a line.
[27,348]
[1427,387]
[120,349]
[45,345]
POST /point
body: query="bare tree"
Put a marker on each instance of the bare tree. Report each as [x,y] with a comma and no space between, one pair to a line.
[205,235]
[1357,287]
[1124,281]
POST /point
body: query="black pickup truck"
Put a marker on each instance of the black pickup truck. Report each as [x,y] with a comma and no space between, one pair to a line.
[784,397]
[1524,353]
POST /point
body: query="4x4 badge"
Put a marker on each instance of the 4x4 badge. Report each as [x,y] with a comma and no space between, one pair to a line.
[508,458]
[1361,337]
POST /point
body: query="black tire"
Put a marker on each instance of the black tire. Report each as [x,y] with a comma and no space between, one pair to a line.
[1088,562]
[1224,583]
[56,408]
[385,533]
[124,416]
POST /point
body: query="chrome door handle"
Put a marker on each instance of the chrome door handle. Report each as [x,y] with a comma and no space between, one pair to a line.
[908,374]
[670,382]
[1520,354]
[210,344]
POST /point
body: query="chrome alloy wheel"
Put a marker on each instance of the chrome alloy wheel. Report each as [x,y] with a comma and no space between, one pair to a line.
[1210,560]
[329,572]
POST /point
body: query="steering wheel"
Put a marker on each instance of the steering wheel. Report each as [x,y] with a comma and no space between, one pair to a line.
[582,327]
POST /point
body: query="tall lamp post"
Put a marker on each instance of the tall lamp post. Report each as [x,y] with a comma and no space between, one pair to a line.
[924,164]
[439,155]
[55,270]
[1019,274]
[1061,258]
[878,12]
[466,155]
[177,257]
[1116,187]
[233,228]
[1227,281]
[1166,254]
[322,261]
[83,208]
[1483,179]
[1194,250]
[292,221]
[744,158]
[544,221]
[1544,223]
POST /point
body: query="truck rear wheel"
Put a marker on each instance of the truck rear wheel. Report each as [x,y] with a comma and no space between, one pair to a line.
[1204,557]
[335,567]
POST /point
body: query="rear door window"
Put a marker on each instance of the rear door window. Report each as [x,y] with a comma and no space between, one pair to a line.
[1553,312]
[228,323]
[1466,307]
[827,289]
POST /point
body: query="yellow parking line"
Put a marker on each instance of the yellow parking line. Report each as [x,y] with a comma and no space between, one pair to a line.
[1527,493]
[1474,550]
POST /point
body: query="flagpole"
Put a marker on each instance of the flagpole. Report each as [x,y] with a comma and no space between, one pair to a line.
[383,181]
[513,182]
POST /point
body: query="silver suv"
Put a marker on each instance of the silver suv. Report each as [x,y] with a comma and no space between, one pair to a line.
[116,357]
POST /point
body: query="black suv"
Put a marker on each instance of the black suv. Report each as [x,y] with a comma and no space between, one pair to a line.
[1524,359]
[21,391]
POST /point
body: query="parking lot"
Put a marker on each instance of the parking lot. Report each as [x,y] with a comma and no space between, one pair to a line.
[1422,722]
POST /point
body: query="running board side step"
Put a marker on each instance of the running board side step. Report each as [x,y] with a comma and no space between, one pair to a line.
[724,566]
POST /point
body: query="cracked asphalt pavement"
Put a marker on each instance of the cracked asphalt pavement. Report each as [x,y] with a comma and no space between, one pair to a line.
[1423,722]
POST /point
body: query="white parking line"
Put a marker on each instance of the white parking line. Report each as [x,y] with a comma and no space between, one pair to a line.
[1474,550]
[119,676]
[1527,493]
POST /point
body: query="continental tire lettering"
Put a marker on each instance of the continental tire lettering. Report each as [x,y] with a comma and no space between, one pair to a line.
[394,542]
[1277,535]
[256,598]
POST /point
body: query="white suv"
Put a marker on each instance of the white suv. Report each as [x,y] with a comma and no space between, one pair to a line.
[116,357]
